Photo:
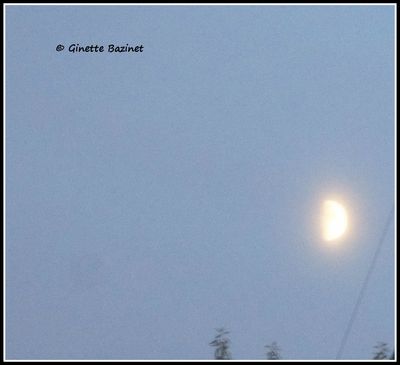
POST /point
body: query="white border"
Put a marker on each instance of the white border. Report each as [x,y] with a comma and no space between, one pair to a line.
[202,4]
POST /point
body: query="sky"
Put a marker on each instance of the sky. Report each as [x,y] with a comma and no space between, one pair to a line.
[153,197]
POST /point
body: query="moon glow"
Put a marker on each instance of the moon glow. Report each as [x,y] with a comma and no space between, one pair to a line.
[334,220]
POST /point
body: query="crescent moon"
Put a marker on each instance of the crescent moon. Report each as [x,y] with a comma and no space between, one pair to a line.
[334,220]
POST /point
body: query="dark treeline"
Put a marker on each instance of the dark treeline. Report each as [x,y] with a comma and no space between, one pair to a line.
[222,351]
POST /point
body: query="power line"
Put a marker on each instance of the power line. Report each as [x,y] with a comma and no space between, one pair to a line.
[364,284]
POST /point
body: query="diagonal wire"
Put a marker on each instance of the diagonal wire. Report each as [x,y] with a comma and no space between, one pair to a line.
[364,284]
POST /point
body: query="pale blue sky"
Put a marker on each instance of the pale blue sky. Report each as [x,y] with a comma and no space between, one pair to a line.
[153,197]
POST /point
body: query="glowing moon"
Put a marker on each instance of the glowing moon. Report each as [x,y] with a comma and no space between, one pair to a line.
[334,220]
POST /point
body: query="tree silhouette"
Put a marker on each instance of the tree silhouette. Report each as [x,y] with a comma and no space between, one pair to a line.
[382,351]
[221,343]
[273,352]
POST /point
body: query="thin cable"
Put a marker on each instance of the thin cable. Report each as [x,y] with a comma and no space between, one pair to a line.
[364,285]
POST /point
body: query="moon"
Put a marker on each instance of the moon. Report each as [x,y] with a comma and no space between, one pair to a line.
[334,220]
